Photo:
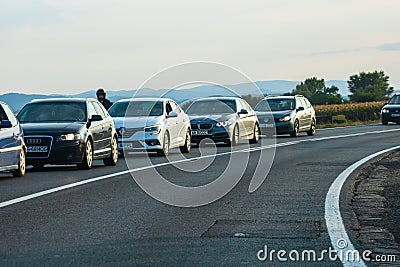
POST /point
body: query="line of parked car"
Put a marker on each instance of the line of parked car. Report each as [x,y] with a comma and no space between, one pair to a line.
[78,131]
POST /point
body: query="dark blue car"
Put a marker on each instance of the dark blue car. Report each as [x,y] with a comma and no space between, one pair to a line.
[12,146]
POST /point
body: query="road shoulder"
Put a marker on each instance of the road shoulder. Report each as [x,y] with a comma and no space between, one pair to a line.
[375,201]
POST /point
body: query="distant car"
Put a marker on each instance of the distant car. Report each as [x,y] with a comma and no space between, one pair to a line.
[223,119]
[291,115]
[68,131]
[152,125]
[391,110]
[12,146]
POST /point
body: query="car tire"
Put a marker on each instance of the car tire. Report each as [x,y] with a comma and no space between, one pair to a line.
[312,130]
[296,129]
[165,150]
[235,136]
[20,172]
[113,158]
[87,161]
[384,122]
[188,143]
[256,135]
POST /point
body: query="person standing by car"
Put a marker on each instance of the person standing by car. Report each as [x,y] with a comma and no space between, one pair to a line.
[101,97]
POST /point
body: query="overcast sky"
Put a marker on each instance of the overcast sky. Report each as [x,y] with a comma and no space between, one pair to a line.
[69,46]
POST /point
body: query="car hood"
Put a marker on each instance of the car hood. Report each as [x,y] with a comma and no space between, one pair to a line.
[392,106]
[212,117]
[275,114]
[137,122]
[51,128]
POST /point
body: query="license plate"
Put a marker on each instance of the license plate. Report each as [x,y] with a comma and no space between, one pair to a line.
[268,125]
[395,115]
[199,132]
[125,145]
[37,149]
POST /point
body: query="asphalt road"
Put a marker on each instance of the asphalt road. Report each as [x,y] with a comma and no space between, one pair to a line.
[113,222]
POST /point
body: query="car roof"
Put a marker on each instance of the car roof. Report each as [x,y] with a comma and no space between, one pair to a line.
[144,99]
[284,97]
[218,98]
[61,100]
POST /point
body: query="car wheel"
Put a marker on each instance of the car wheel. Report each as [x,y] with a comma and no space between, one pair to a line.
[296,129]
[256,135]
[188,142]
[87,161]
[20,172]
[165,150]
[312,130]
[113,158]
[384,122]
[235,137]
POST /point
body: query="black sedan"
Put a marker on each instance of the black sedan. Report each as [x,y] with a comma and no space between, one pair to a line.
[223,119]
[391,110]
[68,131]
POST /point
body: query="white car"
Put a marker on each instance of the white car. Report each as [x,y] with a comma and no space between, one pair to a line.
[151,124]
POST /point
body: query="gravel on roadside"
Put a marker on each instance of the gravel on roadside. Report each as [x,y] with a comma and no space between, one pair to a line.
[376,204]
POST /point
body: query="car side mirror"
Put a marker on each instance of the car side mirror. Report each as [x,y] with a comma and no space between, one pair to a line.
[243,112]
[172,114]
[95,118]
[5,124]
[300,108]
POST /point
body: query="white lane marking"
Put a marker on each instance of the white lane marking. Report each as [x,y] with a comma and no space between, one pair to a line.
[333,218]
[95,179]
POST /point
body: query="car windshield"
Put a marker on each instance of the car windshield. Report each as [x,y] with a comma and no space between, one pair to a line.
[395,100]
[275,105]
[53,112]
[136,109]
[204,107]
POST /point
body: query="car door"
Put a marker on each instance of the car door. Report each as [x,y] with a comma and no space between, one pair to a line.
[10,139]
[96,128]
[182,121]
[300,112]
[243,119]
[172,124]
[307,113]
[107,125]
[251,118]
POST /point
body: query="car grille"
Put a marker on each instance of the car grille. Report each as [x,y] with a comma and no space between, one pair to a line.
[38,146]
[128,132]
[203,126]
[136,144]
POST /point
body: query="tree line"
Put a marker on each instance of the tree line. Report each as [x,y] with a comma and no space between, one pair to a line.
[364,87]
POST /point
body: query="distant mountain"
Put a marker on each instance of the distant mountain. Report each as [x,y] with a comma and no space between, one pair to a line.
[274,87]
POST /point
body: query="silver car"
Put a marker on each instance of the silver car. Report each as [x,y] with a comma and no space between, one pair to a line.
[151,124]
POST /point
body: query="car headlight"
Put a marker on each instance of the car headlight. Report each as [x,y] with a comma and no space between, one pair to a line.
[223,123]
[155,129]
[285,118]
[70,137]
[385,110]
